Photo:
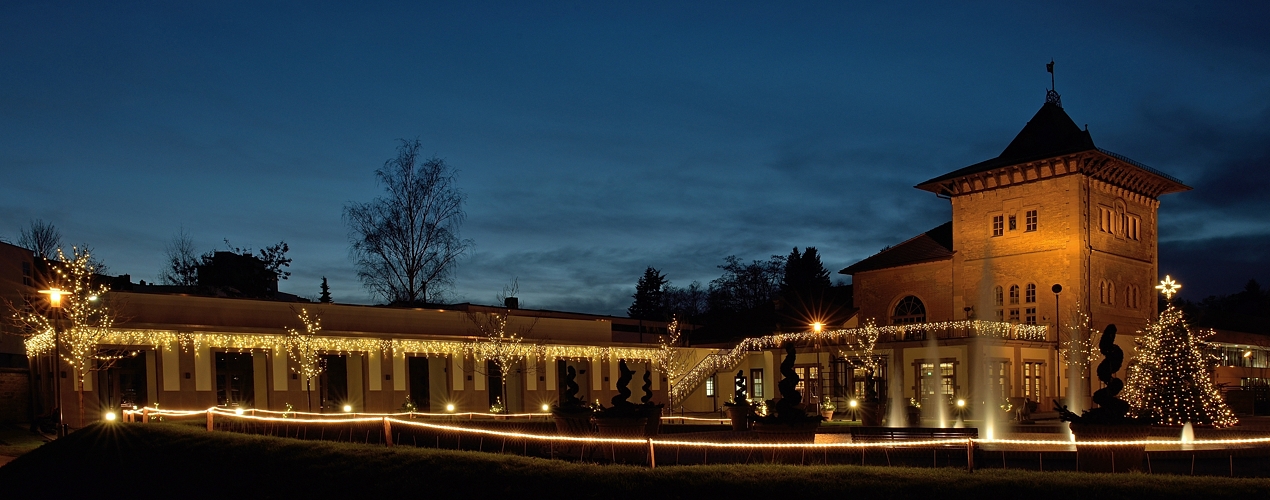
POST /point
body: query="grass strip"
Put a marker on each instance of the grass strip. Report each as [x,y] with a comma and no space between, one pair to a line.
[116,461]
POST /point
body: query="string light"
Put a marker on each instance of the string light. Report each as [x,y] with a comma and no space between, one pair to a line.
[721,444]
[330,419]
[1168,287]
[726,360]
[1171,376]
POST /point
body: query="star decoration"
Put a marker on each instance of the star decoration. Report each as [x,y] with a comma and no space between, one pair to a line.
[1168,287]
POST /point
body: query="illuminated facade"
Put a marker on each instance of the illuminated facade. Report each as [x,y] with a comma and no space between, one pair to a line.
[183,351]
[1053,210]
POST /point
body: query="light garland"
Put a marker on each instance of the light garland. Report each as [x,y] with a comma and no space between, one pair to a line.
[726,360]
[1171,376]
[345,418]
[252,342]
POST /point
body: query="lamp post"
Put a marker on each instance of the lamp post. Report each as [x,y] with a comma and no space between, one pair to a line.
[55,301]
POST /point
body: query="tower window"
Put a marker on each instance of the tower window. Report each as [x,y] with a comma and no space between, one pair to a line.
[1031,220]
[998,225]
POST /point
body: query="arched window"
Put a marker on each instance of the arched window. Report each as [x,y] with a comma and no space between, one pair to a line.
[998,295]
[1102,292]
[1014,294]
[908,311]
[1111,293]
[1030,293]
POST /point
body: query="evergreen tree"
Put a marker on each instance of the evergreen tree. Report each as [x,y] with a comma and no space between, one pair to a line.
[804,273]
[1171,377]
[325,298]
[649,297]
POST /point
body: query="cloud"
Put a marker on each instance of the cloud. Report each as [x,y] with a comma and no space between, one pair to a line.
[1216,266]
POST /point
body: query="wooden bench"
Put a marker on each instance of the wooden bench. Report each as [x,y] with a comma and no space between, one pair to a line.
[901,434]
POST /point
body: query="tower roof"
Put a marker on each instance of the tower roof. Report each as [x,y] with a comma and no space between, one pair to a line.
[1052,134]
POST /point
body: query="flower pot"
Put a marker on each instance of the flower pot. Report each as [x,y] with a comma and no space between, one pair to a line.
[914,415]
[1109,458]
[870,413]
[621,427]
[827,415]
[740,415]
[802,431]
[576,423]
[653,414]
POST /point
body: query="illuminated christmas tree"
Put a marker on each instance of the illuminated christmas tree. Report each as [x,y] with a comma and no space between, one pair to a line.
[1171,377]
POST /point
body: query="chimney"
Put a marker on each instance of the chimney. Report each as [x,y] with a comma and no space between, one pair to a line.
[511,303]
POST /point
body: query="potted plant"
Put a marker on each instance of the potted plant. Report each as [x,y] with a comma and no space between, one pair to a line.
[1109,421]
[739,409]
[572,415]
[789,421]
[650,411]
[826,408]
[623,419]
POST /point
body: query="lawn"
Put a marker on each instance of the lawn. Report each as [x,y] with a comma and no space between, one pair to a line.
[108,461]
[16,439]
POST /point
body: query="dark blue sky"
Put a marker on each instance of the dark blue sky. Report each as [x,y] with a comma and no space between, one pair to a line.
[595,140]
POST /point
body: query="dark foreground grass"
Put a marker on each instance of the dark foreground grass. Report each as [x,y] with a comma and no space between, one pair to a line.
[110,461]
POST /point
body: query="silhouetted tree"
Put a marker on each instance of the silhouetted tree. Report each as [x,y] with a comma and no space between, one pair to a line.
[405,244]
[274,257]
[742,302]
[182,263]
[807,295]
[42,238]
[325,298]
[746,286]
[804,273]
[687,303]
[649,297]
[1245,311]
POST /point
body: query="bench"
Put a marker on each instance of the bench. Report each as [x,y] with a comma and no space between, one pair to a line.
[902,434]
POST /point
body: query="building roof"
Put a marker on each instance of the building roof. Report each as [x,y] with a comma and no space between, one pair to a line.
[930,246]
[1050,133]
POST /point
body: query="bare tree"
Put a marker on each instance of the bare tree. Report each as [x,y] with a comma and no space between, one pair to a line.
[499,345]
[42,238]
[405,244]
[182,261]
[74,332]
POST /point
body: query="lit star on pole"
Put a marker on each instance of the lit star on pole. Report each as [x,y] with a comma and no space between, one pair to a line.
[1168,287]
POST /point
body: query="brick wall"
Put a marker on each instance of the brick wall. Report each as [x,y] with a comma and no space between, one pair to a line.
[15,395]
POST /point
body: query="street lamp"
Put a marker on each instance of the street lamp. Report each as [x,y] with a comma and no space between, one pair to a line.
[55,301]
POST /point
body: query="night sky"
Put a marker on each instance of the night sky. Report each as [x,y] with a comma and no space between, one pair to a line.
[595,140]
